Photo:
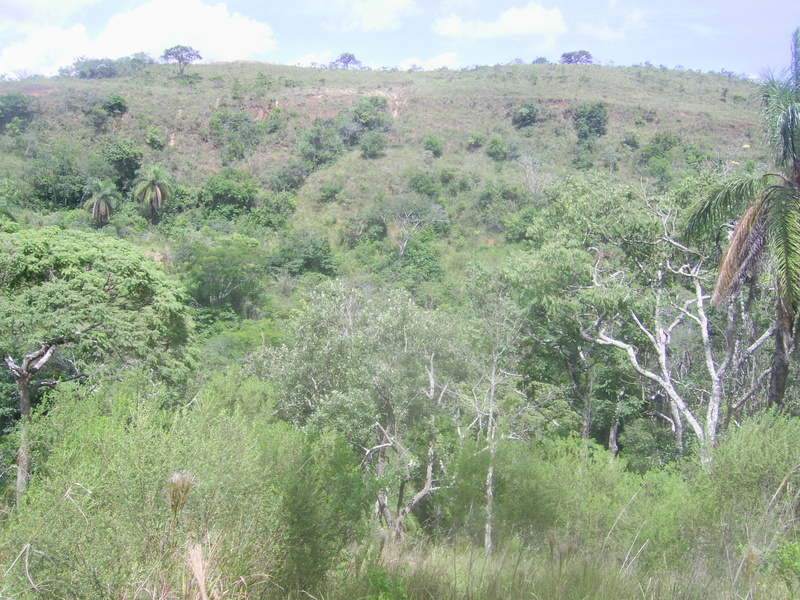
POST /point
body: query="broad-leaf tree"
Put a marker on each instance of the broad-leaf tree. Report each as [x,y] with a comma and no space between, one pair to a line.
[73,300]
[184,55]
[769,224]
[376,367]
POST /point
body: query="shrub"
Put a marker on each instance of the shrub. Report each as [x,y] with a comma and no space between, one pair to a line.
[434,145]
[15,108]
[115,105]
[373,145]
[230,187]
[320,144]
[525,115]
[591,120]
[475,141]
[497,149]
[155,138]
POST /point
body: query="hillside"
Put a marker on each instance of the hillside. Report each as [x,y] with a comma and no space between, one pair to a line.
[251,116]
[276,332]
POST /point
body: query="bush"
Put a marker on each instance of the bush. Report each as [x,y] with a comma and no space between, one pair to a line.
[591,120]
[126,492]
[497,149]
[115,105]
[525,115]
[230,188]
[435,146]
[373,145]
[475,141]
[15,108]
[320,144]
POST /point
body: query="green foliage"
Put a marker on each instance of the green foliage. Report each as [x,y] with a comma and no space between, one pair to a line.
[15,109]
[525,115]
[249,508]
[320,144]
[372,113]
[475,141]
[497,149]
[320,525]
[785,562]
[105,68]
[591,121]
[101,197]
[434,145]
[155,138]
[225,271]
[57,178]
[153,187]
[425,183]
[300,253]
[230,189]
[97,297]
[183,55]
[126,159]
[115,105]
[373,145]
[273,210]
[235,131]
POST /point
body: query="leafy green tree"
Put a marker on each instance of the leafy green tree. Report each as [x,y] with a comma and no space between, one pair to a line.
[126,158]
[770,221]
[72,301]
[497,149]
[102,195]
[153,187]
[374,366]
[225,271]
[15,108]
[184,55]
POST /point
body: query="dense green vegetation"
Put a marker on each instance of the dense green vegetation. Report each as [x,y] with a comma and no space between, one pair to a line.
[273,332]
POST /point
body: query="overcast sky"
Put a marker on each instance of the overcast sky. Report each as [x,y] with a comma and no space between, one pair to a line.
[746,37]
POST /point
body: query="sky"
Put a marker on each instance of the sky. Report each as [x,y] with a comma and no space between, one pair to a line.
[745,37]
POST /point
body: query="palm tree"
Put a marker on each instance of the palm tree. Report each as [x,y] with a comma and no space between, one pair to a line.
[153,186]
[770,223]
[101,198]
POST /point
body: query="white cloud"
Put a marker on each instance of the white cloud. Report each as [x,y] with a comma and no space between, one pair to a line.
[45,49]
[376,15]
[532,19]
[606,33]
[158,24]
[448,59]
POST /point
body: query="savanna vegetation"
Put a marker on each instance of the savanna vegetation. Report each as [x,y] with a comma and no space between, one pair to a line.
[512,331]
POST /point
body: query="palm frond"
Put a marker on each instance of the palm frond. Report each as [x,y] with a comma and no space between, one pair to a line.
[744,250]
[724,202]
[783,223]
[794,68]
[780,111]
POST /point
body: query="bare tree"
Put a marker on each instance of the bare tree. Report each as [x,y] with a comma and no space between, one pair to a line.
[682,309]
